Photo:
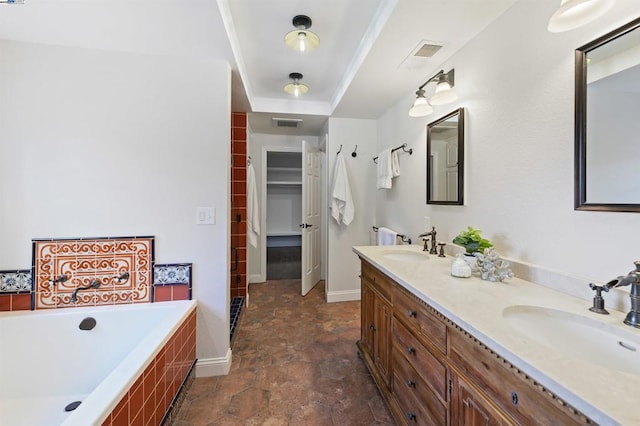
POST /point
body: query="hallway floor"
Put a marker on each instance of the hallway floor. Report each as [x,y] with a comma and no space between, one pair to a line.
[294,363]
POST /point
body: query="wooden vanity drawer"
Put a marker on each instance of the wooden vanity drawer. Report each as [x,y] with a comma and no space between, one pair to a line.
[378,280]
[416,315]
[432,369]
[407,382]
[526,402]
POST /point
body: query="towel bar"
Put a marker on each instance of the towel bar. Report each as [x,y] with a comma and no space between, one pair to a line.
[404,238]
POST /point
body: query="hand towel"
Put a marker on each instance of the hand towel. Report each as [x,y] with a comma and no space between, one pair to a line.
[253,214]
[342,207]
[385,170]
[386,237]
[395,164]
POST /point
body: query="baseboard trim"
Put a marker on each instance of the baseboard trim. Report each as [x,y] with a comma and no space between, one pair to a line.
[208,367]
[343,296]
[256,278]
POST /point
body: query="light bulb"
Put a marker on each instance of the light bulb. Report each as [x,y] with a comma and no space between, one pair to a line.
[296,90]
[301,41]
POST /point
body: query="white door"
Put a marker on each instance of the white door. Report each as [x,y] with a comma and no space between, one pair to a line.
[310,225]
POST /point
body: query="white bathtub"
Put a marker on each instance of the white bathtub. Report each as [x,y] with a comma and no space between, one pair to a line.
[47,362]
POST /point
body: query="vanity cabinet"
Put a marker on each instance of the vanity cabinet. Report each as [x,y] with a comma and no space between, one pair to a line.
[376,322]
[434,373]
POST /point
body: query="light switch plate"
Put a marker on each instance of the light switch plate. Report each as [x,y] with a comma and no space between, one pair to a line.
[205,216]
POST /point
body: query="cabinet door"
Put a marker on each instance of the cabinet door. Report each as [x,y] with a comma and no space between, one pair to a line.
[367,322]
[382,337]
[470,408]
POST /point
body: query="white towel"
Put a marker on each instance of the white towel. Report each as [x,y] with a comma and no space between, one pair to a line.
[253,214]
[386,237]
[385,169]
[395,164]
[342,208]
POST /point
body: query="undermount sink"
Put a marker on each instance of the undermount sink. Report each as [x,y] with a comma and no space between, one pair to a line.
[405,256]
[578,336]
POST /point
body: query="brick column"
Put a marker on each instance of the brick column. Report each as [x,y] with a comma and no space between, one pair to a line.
[239,203]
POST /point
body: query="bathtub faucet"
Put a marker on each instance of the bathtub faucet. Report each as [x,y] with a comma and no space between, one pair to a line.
[95,283]
[633,279]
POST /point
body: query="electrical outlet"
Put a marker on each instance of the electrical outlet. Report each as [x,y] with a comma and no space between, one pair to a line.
[205,216]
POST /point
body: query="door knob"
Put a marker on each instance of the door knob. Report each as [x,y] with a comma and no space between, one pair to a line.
[305,225]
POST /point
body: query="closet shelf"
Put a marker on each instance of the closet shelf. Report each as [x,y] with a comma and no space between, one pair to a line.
[283,182]
[284,169]
[283,233]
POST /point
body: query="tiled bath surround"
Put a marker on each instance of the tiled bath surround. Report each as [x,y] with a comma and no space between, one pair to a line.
[172,282]
[85,260]
[89,258]
[15,290]
[152,396]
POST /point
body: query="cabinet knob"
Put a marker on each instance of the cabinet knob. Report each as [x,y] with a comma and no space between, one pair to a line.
[372,327]
[514,398]
[411,383]
[411,313]
[411,416]
[410,350]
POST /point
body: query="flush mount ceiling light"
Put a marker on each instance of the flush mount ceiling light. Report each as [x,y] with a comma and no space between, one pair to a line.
[296,88]
[575,13]
[443,94]
[301,39]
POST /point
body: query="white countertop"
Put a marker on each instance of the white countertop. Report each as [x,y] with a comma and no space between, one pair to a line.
[606,395]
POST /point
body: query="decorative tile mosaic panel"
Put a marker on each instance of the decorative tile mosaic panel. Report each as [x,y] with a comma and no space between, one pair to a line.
[120,270]
[175,273]
[15,281]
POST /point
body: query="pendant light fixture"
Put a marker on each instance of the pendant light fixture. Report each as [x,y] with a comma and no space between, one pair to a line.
[301,39]
[444,94]
[296,88]
[574,13]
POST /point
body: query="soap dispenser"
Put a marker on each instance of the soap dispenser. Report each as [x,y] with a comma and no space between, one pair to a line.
[460,267]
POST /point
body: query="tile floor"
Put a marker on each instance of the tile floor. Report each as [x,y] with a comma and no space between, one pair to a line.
[294,363]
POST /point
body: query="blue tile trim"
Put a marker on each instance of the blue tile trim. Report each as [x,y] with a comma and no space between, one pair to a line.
[19,281]
[172,273]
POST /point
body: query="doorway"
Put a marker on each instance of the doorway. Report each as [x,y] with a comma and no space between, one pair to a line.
[292,198]
[283,212]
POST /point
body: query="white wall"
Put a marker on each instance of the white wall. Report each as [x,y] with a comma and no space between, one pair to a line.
[98,143]
[343,282]
[516,82]
[257,269]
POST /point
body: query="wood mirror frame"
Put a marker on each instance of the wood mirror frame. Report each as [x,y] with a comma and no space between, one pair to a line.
[581,200]
[457,167]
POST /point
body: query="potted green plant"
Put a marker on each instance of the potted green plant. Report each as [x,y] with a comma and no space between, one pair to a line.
[472,241]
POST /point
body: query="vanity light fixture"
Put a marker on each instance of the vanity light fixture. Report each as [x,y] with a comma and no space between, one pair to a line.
[575,13]
[296,88]
[444,94]
[301,39]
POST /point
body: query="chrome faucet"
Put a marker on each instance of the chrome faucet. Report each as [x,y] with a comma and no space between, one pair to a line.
[95,283]
[632,279]
[431,233]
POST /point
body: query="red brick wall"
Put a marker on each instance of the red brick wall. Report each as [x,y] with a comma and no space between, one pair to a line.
[239,203]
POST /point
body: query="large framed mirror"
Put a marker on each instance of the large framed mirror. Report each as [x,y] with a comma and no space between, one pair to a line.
[607,122]
[445,159]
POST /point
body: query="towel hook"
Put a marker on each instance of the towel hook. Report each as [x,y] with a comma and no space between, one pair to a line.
[353,154]
[340,150]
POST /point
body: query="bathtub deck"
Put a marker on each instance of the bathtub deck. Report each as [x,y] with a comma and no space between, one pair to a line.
[50,410]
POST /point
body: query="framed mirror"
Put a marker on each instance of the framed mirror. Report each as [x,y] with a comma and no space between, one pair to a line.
[445,159]
[607,124]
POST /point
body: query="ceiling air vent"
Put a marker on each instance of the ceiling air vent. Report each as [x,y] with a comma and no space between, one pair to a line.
[427,49]
[286,122]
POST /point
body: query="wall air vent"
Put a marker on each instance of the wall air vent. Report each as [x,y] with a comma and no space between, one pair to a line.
[286,122]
